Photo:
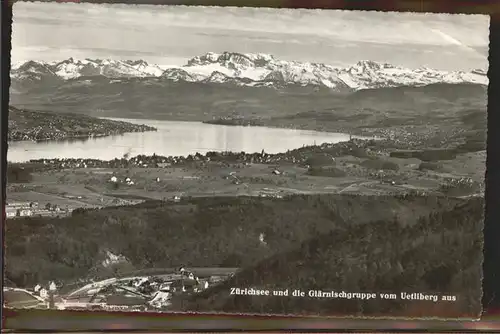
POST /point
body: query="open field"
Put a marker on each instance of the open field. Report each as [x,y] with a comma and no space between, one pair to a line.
[373,174]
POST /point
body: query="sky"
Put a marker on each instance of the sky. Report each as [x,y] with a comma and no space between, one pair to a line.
[170,35]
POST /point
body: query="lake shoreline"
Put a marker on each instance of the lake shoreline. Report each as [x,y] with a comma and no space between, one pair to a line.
[423,135]
[421,131]
[172,138]
[70,139]
[342,165]
[351,130]
[44,126]
[138,125]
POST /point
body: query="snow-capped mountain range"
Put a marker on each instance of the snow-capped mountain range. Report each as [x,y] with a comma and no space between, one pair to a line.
[250,70]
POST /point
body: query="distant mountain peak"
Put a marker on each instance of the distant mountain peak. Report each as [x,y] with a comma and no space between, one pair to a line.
[68,61]
[34,71]
[370,65]
[31,64]
[227,58]
[178,74]
[217,77]
[252,69]
[73,68]
[136,62]
[218,74]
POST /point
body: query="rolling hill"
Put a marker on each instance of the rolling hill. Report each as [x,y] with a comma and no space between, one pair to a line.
[440,255]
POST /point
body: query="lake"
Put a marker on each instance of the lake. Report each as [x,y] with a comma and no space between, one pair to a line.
[174,138]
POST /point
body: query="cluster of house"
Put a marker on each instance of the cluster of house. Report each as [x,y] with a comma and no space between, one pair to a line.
[296,156]
[40,297]
[463,183]
[126,180]
[29,209]
[141,293]
[266,192]
[128,293]
[20,209]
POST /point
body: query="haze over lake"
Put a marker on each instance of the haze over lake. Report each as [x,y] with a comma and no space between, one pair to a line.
[174,138]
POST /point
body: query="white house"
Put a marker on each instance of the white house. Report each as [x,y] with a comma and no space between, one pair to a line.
[10,213]
[161,298]
[262,239]
[25,212]
[43,293]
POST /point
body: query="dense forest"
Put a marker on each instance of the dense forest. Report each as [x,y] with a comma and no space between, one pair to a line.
[441,254]
[195,232]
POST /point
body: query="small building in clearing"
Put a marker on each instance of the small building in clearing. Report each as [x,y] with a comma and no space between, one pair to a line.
[25,212]
[10,213]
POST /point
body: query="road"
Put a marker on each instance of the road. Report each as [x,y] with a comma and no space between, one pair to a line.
[69,200]
[364,183]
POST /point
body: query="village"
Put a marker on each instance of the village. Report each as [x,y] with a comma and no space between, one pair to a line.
[297,156]
[60,186]
[131,293]
[28,125]
[32,209]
